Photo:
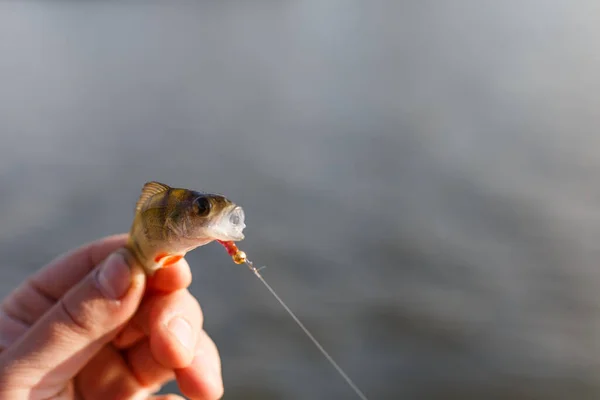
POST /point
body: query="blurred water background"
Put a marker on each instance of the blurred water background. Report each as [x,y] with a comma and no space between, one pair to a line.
[420,177]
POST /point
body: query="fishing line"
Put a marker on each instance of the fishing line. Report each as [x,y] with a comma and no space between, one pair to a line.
[358,392]
[239,257]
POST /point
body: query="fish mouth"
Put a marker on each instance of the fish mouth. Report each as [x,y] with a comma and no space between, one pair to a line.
[230,225]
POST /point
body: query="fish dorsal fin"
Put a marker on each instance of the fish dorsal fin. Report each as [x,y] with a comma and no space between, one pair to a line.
[149,190]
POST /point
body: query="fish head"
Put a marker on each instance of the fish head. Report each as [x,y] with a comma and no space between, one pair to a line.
[213,216]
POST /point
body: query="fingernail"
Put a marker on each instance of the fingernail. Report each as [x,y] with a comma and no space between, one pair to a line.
[114,276]
[182,330]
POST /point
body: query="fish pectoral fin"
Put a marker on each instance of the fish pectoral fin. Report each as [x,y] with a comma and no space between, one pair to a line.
[149,190]
[165,259]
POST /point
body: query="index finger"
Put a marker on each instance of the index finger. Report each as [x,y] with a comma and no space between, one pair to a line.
[72,266]
[34,297]
[38,293]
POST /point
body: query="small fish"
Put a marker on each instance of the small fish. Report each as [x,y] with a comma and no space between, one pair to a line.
[169,222]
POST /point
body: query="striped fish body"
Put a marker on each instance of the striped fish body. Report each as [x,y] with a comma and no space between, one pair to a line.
[169,222]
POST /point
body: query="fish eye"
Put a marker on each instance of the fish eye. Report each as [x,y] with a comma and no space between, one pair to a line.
[201,206]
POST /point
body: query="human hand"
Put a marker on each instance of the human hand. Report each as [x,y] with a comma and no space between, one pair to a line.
[90,326]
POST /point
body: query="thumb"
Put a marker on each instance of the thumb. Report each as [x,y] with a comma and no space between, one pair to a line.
[83,320]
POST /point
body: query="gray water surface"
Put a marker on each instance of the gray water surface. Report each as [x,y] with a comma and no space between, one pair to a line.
[420,178]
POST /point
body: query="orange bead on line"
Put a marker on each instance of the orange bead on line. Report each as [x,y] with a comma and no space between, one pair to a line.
[238,256]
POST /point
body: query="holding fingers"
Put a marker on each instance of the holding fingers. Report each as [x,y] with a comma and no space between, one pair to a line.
[61,336]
